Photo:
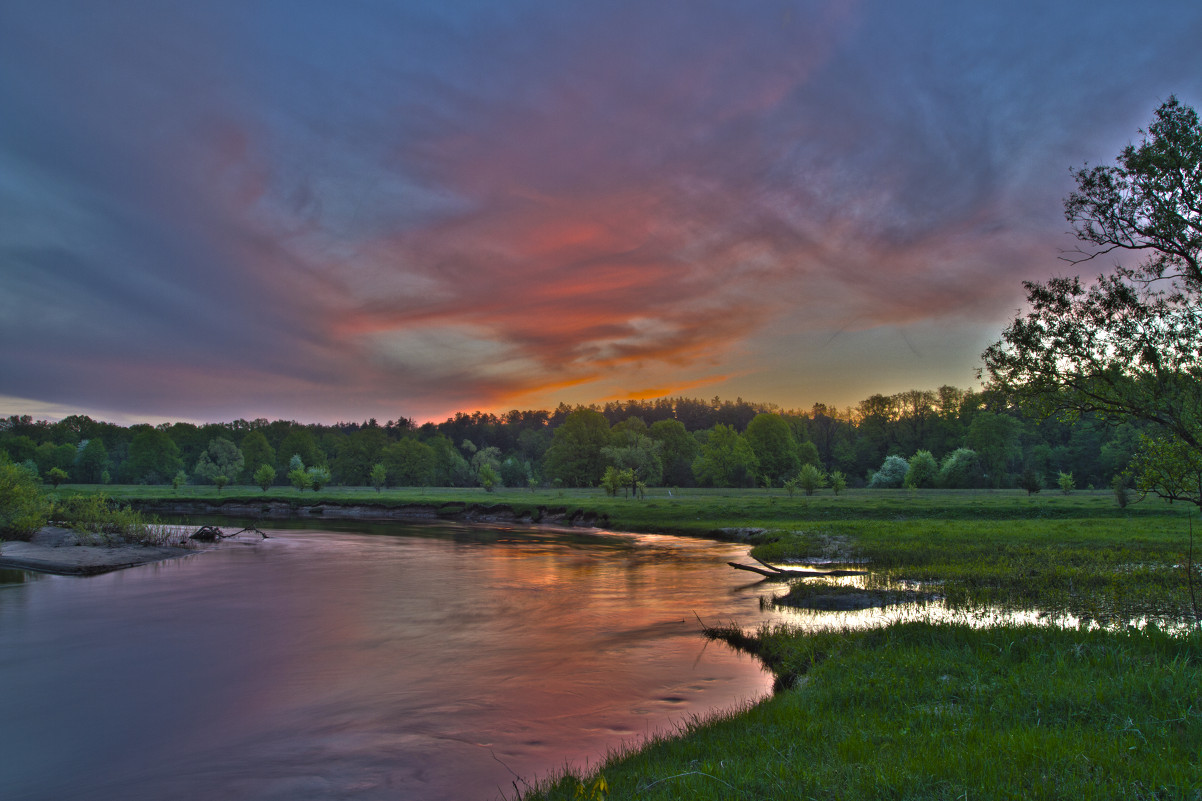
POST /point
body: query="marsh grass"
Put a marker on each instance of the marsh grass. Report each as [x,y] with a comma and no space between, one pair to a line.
[921,711]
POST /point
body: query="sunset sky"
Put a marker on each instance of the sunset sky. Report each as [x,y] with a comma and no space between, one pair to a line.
[335,211]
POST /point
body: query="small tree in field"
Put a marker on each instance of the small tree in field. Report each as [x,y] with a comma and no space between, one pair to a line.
[923,471]
[810,478]
[318,477]
[264,476]
[56,476]
[178,480]
[300,479]
[220,480]
[489,478]
[1066,483]
[1029,481]
[838,481]
[379,476]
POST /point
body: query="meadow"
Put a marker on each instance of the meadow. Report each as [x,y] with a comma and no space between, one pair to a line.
[1098,699]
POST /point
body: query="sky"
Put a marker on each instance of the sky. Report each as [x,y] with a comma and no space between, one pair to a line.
[344,210]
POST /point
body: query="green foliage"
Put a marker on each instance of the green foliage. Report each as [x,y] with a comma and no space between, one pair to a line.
[318,477]
[923,471]
[725,460]
[771,440]
[300,478]
[489,478]
[264,476]
[810,478]
[410,463]
[178,480]
[995,437]
[221,459]
[961,469]
[838,482]
[1030,481]
[153,457]
[1121,485]
[91,461]
[56,476]
[102,516]
[379,476]
[23,509]
[256,451]
[1127,347]
[892,474]
[679,451]
[640,459]
[575,454]
[1066,483]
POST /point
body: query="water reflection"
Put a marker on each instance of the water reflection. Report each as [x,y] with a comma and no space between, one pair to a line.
[434,662]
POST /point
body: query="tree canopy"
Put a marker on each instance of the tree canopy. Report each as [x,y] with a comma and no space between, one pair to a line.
[1127,346]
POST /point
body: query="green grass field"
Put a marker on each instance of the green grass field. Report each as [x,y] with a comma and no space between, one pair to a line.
[1107,709]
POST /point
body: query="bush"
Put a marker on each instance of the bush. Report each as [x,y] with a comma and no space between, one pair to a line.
[923,470]
[961,469]
[264,476]
[891,475]
[1066,483]
[811,478]
[23,508]
[838,481]
[100,515]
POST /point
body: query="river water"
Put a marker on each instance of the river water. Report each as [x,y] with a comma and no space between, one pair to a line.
[434,661]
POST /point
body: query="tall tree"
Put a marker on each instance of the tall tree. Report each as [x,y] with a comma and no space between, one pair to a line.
[1128,345]
[575,453]
[256,452]
[771,440]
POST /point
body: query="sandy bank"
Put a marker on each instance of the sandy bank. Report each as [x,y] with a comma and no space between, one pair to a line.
[58,550]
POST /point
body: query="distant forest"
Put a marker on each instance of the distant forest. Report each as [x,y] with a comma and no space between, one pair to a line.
[962,438]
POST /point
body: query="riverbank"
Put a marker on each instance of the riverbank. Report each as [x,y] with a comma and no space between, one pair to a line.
[62,552]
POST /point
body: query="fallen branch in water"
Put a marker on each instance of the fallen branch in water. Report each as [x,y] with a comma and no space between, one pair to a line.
[213,534]
[780,574]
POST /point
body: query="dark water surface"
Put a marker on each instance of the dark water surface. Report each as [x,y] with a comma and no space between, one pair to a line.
[432,662]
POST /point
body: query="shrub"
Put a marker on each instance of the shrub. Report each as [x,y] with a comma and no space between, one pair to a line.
[264,476]
[961,469]
[1120,486]
[1066,483]
[318,477]
[810,478]
[923,470]
[838,481]
[891,475]
[23,508]
[378,476]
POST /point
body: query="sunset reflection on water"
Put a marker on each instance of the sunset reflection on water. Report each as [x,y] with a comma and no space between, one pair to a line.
[433,662]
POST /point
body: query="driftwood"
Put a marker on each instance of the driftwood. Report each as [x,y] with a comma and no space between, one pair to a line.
[781,574]
[213,534]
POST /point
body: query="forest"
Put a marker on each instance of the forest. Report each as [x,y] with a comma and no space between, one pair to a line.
[948,437]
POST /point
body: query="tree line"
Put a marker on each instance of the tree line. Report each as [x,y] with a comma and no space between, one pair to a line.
[950,437]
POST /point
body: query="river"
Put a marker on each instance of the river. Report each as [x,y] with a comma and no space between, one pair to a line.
[398,661]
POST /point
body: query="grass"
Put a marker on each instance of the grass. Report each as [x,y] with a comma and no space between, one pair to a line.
[920,710]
